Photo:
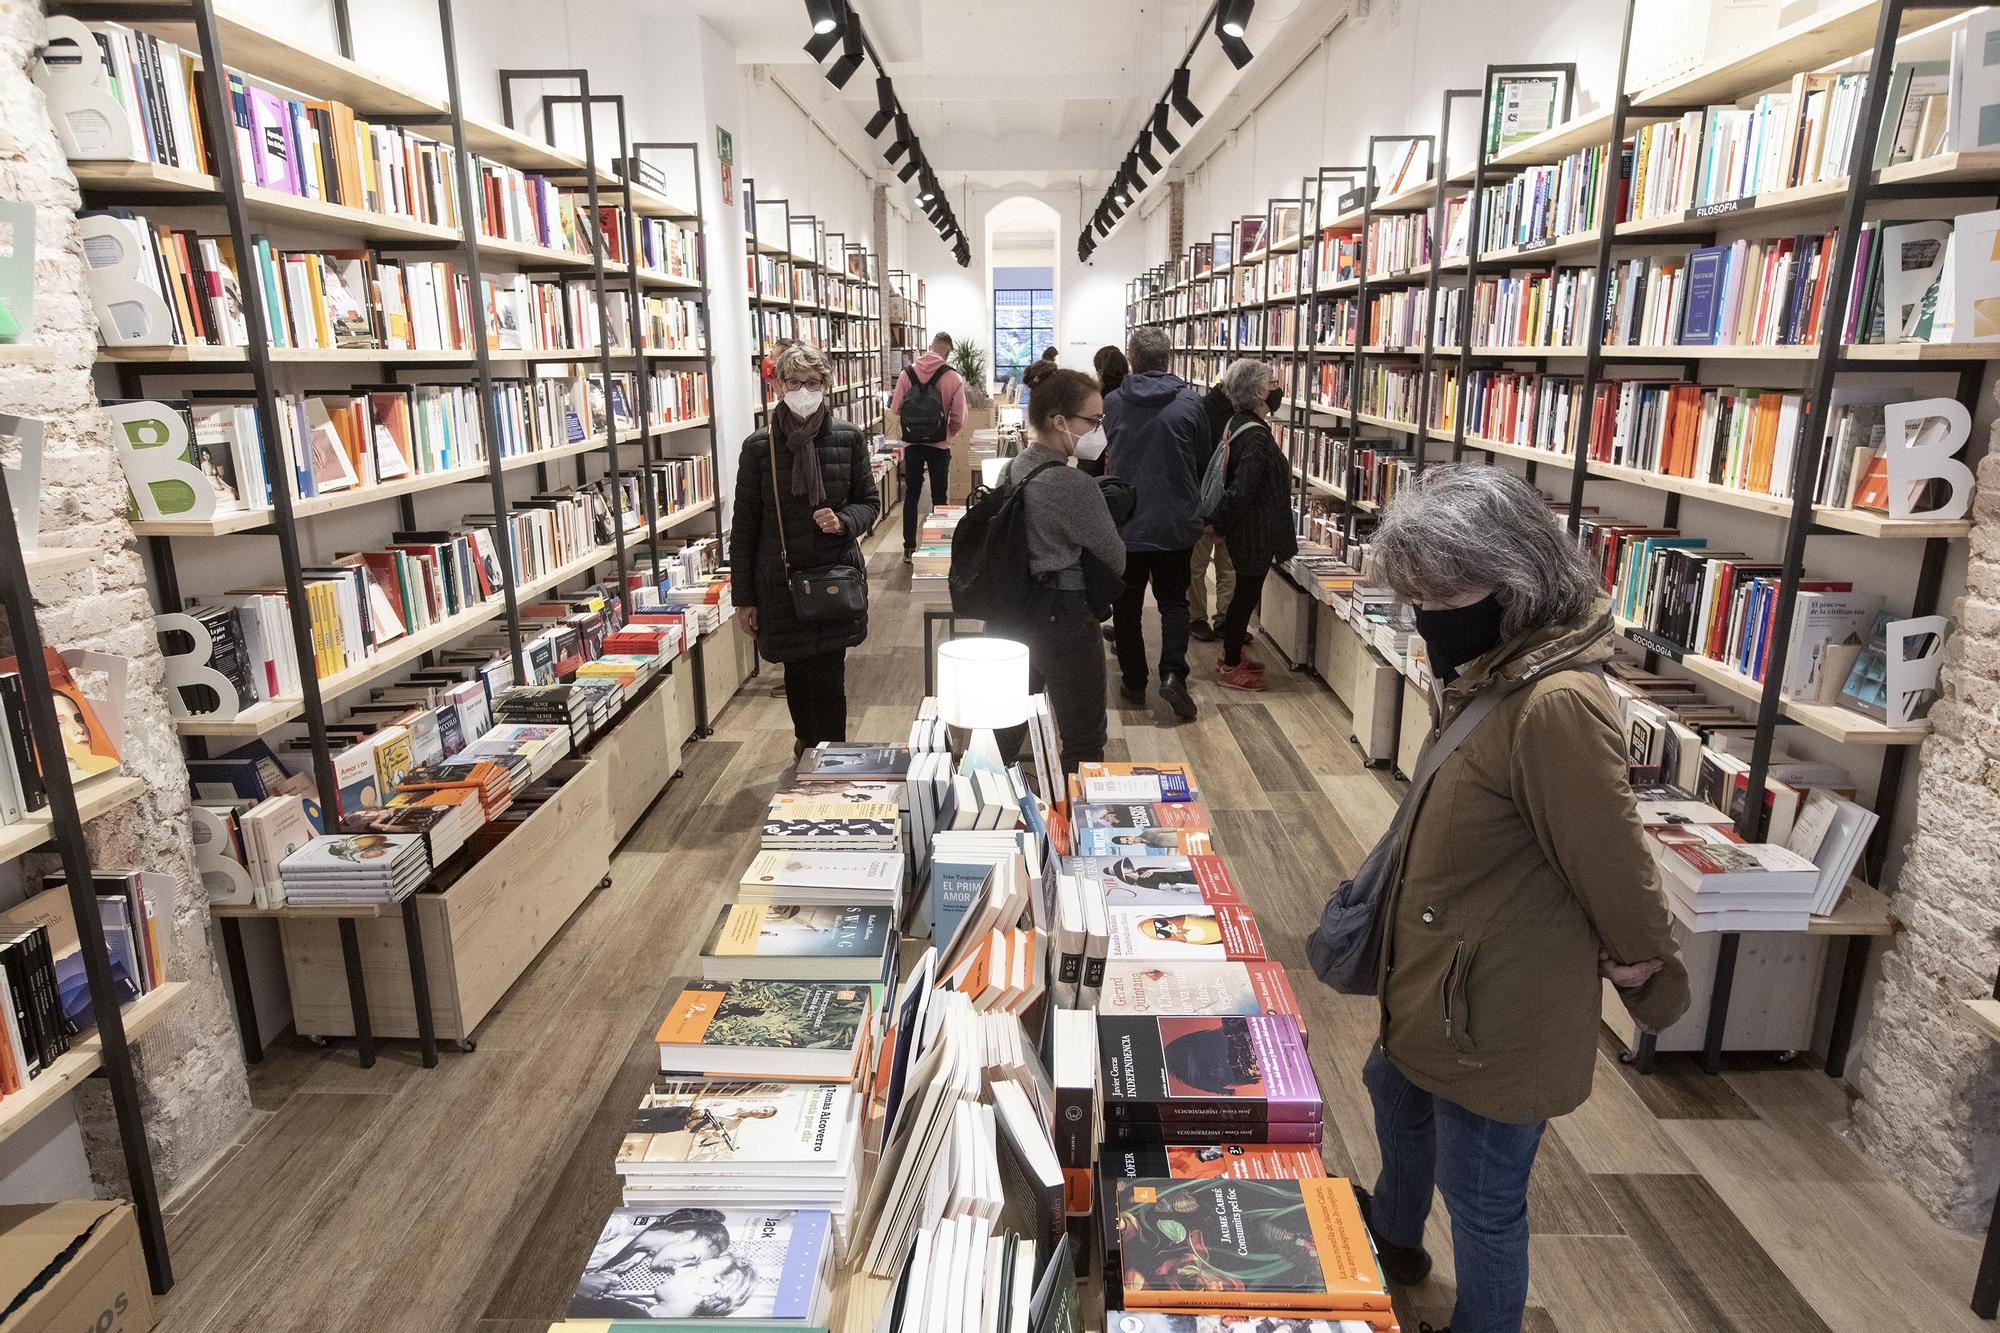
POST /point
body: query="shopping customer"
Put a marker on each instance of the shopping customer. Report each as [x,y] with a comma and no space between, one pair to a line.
[804,496]
[1524,880]
[1210,552]
[1111,371]
[1074,553]
[1157,435]
[1254,520]
[929,403]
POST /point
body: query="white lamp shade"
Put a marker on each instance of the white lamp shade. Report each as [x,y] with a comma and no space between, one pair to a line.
[982,683]
[991,470]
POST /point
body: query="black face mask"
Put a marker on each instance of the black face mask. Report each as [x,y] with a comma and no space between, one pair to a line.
[1274,399]
[1455,637]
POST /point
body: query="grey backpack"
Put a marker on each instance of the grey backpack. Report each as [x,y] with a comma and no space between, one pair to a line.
[1346,950]
[1214,481]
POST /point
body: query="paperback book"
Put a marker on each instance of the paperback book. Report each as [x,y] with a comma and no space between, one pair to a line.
[1158,881]
[792,942]
[814,1031]
[1161,1073]
[687,1264]
[1206,934]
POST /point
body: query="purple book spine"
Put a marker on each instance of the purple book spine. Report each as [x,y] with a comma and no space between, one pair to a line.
[1289,1085]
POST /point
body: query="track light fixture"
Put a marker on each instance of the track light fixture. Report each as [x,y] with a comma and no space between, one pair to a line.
[903,139]
[851,55]
[1162,132]
[1182,102]
[909,169]
[885,106]
[1232,17]
[1145,151]
[820,45]
[824,19]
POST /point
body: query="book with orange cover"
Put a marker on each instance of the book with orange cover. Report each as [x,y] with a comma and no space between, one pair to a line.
[1282,1247]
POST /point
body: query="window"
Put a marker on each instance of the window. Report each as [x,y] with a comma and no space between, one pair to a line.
[1024,322]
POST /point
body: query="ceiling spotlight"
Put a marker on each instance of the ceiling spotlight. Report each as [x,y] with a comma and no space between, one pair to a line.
[1233,17]
[824,39]
[851,55]
[1146,152]
[823,17]
[1161,132]
[902,142]
[885,107]
[909,170]
[1235,48]
[1182,102]
[1117,209]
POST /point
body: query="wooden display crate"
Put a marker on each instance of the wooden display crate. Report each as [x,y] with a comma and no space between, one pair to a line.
[482,933]
[1285,614]
[727,658]
[1414,726]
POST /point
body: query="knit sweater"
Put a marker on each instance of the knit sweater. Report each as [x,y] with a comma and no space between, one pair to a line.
[1066,518]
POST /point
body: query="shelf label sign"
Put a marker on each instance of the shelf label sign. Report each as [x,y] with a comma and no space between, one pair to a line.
[1722,209]
[1923,437]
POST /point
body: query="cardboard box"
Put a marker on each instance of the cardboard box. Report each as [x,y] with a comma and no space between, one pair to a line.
[72,1266]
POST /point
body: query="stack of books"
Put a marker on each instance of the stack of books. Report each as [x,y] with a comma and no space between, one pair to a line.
[1183,1079]
[801,942]
[931,564]
[1141,829]
[1722,883]
[832,824]
[349,869]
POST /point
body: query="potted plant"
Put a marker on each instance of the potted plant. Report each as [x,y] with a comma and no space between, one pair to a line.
[968,358]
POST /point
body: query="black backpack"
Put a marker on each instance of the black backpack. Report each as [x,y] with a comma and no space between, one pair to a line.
[989,555]
[923,409]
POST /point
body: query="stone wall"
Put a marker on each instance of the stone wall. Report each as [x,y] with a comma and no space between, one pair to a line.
[1929,1082]
[190,1067]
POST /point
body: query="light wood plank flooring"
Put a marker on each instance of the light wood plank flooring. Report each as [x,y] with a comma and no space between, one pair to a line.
[467,1197]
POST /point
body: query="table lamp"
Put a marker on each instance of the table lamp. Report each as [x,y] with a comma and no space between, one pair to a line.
[982,687]
[991,470]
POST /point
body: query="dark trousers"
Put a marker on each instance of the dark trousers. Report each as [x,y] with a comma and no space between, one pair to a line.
[1251,567]
[1167,572]
[917,458]
[1065,662]
[816,692]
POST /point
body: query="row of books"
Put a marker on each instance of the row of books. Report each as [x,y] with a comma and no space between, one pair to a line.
[89,748]
[1539,204]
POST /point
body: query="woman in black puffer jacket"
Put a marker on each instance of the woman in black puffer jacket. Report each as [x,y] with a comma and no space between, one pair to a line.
[1255,517]
[825,498]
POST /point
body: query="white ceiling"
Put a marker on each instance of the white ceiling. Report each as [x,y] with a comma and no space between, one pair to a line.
[1027,93]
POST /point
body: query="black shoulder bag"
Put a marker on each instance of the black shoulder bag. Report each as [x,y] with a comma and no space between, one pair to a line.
[831,592]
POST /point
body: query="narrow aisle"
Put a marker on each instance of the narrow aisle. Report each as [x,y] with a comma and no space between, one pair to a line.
[467,1197]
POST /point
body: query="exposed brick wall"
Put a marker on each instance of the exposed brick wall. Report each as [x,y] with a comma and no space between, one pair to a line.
[1929,1082]
[1176,219]
[880,240]
[190,1066]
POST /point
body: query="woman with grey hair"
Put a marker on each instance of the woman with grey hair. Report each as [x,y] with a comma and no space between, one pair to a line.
[804,496]
[1254,518]
[1524,880]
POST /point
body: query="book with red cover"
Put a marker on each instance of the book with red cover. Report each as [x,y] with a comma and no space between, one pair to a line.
[1176,934]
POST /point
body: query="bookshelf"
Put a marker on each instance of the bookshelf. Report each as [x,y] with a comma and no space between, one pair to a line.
[1186,297]
[808,284]
[909,315]
[607,256]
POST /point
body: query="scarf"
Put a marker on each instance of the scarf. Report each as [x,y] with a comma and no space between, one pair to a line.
[802,437]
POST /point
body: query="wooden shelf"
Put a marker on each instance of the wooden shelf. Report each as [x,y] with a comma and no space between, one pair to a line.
[290,355]
[83,1059]
[1986,1015]
[1859,522]
[530,253]
[256,721]
[140,177]
[1829,720]
[1527,453]
[95,797]
[650,278]
[51,560]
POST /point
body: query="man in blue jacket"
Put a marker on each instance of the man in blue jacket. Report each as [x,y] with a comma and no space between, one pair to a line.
[1157,431]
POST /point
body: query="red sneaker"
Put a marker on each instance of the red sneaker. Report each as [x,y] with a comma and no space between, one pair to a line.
[1240,677]
[1249,663]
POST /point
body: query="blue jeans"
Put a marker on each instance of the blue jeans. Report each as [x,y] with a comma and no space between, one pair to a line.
[1482,1166]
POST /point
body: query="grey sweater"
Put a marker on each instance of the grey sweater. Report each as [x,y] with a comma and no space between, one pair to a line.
[1066,517]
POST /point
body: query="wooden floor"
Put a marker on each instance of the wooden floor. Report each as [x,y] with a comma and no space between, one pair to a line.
[464,1199]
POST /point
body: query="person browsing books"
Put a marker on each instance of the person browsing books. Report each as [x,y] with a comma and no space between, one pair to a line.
[1524,880]
[804,496]
[1254,519]
[1112,369]
[929,403]
[1071,538]
[1157,434]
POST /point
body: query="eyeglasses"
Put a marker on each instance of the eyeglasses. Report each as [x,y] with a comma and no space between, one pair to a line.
[1095,421]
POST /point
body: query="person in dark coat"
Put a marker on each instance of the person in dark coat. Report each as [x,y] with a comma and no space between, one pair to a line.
[1157,434]
[825,499]
[1254,519]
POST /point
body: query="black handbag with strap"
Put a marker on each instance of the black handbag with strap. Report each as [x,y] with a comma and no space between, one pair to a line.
[831,592]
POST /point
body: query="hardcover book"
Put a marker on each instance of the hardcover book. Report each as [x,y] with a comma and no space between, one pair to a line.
[801,1030]
[1165,934]
[730,1264]
[786,941]
[1169,1070]
[1295,1247]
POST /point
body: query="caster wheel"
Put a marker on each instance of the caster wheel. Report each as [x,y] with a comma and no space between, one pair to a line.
[678,773]
[467,1044]
[1626,1057]
[604,883]
[1399,775]
[321,1042]
[1786,1057]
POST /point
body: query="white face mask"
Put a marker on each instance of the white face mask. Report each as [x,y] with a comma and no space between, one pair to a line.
[804,402]
[1090,447]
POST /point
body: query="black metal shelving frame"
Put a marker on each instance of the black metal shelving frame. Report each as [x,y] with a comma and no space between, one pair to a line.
[258,366]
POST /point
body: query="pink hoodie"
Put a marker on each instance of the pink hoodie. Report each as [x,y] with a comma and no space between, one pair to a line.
[950,387]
